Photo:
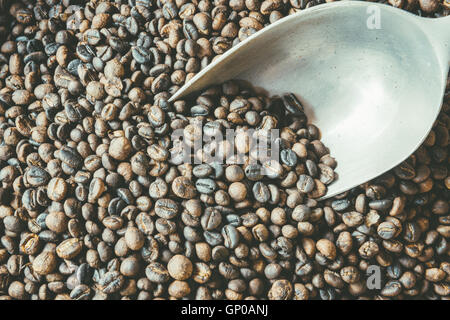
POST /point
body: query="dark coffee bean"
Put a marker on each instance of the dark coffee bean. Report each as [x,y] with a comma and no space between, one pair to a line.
[261,192]
[288,157]
[141,55]
[37,176]
[185,189]
[381,205]
[111,282]
[189,30]
[254,172]
[392,289]
[305,183]
[213,238]
[312,168]
[387,230]
[166,208]
[405,171]
[80,292]
[199,110]
[411,232]
[211,219]
[202,171]
[340,205]
[84,273]
[85,52]
[292,104]
[118,44]
[70,156]
[327,174]
[230,236]
[218,170]
[206,186]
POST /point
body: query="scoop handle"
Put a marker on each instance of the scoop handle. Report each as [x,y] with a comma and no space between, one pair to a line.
[438,31]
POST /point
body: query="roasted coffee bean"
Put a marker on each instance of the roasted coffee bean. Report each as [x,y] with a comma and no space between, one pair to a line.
[387,230]
[202,171]
[261,192]
[254,172]
[180,267]
[213,238]
[292,104]
[80,292]
[184,188]
[206,186]
[70,157]
[211,219]
[327,174]
[305,183]
[158,189]
[134,238]
[36,176]
[380,205]
[111,282]
[68,249]
[44,263]
[120,148]
[230,236]
[288,157]
[166,208]
[340,205]
[280,290]
[157,273]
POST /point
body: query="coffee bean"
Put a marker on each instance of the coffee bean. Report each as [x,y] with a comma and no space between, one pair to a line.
[206,186]
[111,282]
[202,171]
[69,249]
[120,148]
[237,191]
[36,176]
[280,290]
[392,289]
[157,273]
[213,238]
[340,205]
[380,205]
[327,248]
[305,183]
[288,157]
[327,174]
[261,192]
[180,267]
[134,238]
[292,104]
[234,173]
[166,208]
[211,219]
[44,263]
[230,236]
[80,292]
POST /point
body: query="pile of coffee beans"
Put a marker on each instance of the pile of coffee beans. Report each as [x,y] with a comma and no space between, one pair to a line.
[98,202]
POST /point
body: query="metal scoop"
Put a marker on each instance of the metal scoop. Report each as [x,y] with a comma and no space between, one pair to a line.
[370,76]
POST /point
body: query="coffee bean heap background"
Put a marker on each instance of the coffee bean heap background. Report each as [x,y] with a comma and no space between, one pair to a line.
[92,208]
